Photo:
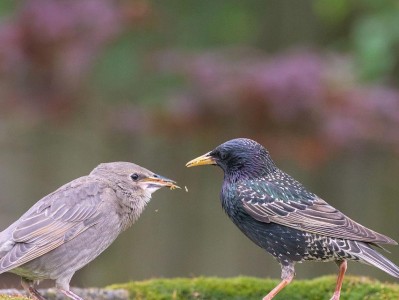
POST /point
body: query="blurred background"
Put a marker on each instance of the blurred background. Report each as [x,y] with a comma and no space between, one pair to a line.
[161,82]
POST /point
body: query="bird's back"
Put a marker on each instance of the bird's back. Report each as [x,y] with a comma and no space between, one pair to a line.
[53,221]
[280,199]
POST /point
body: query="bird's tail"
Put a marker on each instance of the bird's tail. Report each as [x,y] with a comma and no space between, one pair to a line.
[370,256]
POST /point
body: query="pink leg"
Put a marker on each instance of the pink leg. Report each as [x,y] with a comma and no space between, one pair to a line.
[70,295]
[287,274]
[343,265]
[30,290]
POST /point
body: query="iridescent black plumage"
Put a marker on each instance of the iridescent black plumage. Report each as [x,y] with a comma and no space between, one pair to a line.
[278,214]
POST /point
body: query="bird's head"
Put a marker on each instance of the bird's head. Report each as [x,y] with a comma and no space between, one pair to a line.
[238,157]
[132,177]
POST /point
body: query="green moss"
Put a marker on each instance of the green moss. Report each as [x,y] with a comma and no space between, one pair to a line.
[245,288]
[242,288]
[13,298]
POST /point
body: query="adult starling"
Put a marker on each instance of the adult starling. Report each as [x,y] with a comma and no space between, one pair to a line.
[70,227]
[278,214]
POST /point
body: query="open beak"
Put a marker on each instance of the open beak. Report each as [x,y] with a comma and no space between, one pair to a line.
[157,181]
[205,159]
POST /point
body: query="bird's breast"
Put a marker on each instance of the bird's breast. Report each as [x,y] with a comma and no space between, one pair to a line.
[131,209]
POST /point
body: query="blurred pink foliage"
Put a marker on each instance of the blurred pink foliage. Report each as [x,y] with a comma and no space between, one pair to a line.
[48,47]
[303,99]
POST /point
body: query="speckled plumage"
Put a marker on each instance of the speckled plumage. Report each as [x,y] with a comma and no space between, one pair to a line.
[278,214]
[70,227]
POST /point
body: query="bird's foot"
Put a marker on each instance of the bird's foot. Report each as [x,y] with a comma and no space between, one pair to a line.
[336,296]
[30,290]
[70,295]
[36,295]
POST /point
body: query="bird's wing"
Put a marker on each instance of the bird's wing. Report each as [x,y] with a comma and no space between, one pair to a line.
[54,220]
[271,203]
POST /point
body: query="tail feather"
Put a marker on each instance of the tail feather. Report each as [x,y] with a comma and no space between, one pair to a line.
[370,256]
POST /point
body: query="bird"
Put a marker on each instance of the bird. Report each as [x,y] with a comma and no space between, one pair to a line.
[71,226]
[280,215]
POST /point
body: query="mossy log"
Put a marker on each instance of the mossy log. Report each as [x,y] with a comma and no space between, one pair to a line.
[243,288]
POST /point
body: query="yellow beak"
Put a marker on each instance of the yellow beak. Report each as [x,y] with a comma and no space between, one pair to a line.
[205,159]
[160,181]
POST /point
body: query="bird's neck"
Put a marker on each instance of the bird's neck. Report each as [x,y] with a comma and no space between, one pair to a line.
[132,207]
[235,175]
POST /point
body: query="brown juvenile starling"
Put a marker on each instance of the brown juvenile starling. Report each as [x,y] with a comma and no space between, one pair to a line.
[278,214]
[70,227]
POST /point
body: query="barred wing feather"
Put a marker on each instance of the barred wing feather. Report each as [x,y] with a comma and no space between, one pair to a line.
[54,220]
[315,216]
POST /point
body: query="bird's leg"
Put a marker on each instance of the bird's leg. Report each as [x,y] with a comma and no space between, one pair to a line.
[70,294]
[287,274]
[62,285]
[343,265]
[30,290]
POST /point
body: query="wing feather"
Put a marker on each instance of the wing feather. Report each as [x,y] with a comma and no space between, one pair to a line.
[58,218]
[315,216]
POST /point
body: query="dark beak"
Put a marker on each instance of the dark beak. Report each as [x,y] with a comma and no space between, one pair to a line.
[159,181]
[205,159]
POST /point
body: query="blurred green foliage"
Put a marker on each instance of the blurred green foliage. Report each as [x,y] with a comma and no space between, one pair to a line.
[373,38]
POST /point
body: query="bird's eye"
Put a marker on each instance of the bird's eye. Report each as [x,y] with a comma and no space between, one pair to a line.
[134,176]
[223,155]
